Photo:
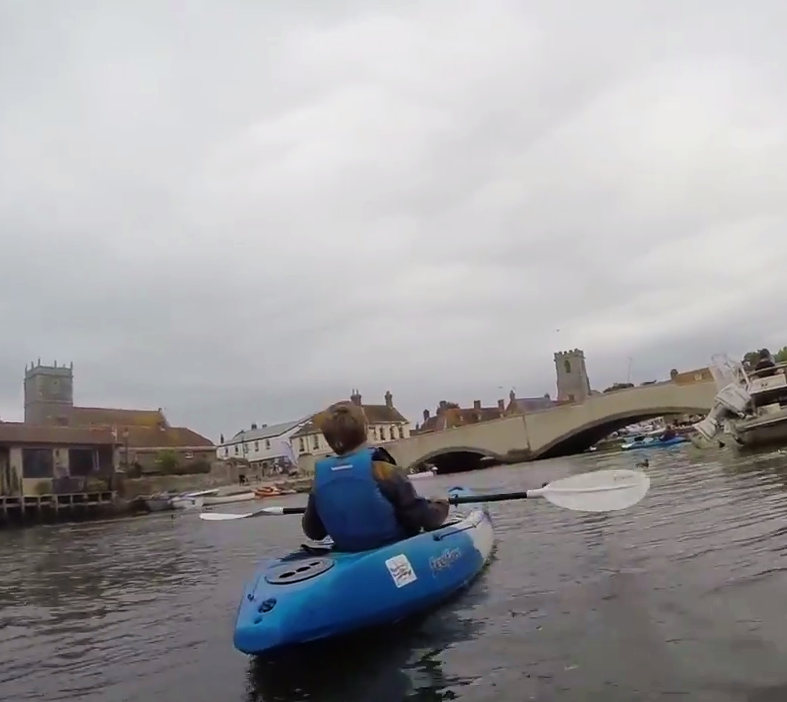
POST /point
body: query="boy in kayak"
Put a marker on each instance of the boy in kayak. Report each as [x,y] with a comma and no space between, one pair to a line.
[359,497]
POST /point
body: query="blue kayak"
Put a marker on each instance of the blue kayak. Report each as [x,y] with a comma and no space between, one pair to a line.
[317,593]
[652,442]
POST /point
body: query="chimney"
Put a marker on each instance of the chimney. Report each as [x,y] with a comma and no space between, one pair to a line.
[253,426]
[355,398]
[426,415]
[501,404]
[389,400]
[512,396]
[476,404]
[443,405]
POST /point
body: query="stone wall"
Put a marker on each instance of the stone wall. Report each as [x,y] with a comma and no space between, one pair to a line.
[222,473]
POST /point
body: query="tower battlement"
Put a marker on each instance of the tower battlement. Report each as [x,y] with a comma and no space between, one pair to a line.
[49,393]
[573,384]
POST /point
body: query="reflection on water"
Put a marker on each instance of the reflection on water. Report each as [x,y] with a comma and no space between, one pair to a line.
[396,664]
[681,596]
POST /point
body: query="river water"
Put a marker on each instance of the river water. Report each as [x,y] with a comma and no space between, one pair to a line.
[681,597]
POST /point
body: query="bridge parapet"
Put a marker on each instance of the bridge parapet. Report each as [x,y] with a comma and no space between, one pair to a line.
[540,432]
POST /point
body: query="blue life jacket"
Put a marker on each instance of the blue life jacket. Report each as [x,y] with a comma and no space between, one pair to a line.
[356,515]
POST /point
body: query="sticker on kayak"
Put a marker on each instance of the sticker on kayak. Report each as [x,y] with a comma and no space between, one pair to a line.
[445,560]
[401,571]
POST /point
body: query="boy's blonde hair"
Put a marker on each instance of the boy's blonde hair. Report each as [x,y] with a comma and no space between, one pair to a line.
[344,426]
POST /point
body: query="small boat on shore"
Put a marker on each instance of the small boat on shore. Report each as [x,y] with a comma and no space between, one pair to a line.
[245,496]
[271,491]
[192,500]
[158,503]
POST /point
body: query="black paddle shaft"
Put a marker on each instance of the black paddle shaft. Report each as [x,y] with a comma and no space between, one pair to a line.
[500,497]
[459,500]
[293,510]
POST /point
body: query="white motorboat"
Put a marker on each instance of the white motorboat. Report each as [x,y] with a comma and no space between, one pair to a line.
[750,406]
[191,500]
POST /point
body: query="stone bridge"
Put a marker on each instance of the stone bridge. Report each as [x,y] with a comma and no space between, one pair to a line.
[559,431]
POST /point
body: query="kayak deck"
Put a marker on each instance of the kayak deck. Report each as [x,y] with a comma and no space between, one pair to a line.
[318,593]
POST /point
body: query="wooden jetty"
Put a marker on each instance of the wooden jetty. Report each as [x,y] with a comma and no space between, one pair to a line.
[31,509]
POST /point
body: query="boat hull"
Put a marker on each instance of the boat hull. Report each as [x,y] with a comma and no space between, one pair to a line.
[422,476]
[229,499]
[647,445]
[317,594]
[767,430]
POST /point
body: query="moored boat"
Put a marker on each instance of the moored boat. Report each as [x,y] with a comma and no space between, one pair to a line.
[245,496]
[317,593]
[191,500]
[750,406]
[423,474]
[653,442]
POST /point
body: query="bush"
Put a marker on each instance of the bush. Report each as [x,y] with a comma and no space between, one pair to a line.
[168,462]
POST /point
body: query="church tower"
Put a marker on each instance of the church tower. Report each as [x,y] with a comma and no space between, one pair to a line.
[573,384]
[49,393]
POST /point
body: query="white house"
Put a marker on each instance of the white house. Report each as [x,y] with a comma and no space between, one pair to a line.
[262,446]
[386,423]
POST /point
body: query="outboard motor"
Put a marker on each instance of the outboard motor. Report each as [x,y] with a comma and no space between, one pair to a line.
[731,401]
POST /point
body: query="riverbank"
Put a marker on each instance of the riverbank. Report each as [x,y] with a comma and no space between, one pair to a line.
[129,500]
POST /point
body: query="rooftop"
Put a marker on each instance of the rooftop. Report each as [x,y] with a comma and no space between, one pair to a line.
[375,414]
[266,431]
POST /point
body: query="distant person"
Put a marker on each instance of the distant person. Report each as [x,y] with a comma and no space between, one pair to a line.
[359,497]
[765,365]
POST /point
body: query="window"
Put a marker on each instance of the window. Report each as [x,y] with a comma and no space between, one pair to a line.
[374,433]
[188,455]
[316,441]
[226,451]
[37,463]
[267,444]
[401,432]
[567,366]
[391,432]
[80,462]
[256,445]
[236,449]
[302,442]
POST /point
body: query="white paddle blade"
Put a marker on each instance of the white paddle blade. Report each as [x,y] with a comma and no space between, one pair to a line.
[220,516]
[598,491]
[229,516]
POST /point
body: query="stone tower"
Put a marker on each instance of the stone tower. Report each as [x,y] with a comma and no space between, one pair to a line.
[49,393]
[573,384]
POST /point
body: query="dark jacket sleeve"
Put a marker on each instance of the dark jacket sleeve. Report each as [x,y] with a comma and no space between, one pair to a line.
[413,512]
[311,523]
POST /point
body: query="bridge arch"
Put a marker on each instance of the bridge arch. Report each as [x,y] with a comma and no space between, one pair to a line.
[451,459]
[585,435]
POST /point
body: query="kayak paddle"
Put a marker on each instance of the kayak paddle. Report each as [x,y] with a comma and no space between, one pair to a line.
[598,491]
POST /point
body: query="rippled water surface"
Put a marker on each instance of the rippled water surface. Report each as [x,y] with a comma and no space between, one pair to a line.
[681,597]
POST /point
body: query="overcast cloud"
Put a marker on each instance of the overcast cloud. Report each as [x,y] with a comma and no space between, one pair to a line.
[239,211]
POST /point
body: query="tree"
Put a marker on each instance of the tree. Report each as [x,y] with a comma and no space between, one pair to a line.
[781,355]
[750,359]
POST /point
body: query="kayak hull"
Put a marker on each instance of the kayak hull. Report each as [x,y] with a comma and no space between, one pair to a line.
[655,444]
[316,594]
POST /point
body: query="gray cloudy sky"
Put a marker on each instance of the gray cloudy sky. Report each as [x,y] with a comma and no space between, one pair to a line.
[239,210]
